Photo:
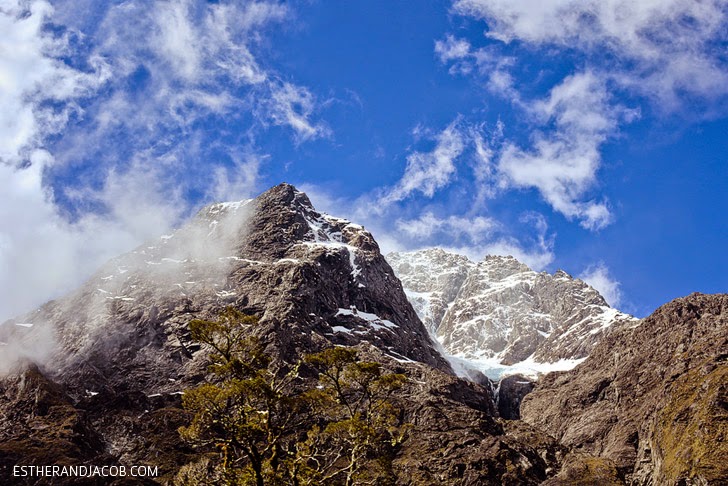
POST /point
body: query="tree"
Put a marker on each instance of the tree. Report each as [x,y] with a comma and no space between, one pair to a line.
[359,429]
[267,427]
[246,413]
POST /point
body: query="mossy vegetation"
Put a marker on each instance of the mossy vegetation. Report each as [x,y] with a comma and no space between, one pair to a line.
[692,428]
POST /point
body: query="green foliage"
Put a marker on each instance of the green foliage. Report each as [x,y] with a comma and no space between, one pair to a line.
[687,424]
[267,429]
[203,472]
[245,413]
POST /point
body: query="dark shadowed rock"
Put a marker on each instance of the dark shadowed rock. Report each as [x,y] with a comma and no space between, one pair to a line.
[314,280]
[510,393]
[40,424]
[455,437]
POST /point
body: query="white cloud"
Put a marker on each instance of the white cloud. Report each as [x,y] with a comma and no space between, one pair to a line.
[452,49]
[535,248]
[177,39]
[239,181]
[662,48]
[293,106]
[536,258]
[42,254]
[123,89]
[31,74]
[485,61]
[201,62]
[474,236]
[563,163]
[665,51]
[427,225]
[598,277]
[474,233]
[427,172]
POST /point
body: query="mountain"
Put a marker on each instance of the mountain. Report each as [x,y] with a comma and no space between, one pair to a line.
[499,310]
[650,403]
[98,374]
[96,377]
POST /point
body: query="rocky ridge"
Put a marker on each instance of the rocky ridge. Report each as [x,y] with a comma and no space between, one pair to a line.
[499,308]
[648,406]
[311,278]
[650,403]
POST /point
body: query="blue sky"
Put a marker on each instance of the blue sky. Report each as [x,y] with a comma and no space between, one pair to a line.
[584,135]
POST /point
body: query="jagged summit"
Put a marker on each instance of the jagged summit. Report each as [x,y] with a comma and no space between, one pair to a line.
[123,354]
[499,309]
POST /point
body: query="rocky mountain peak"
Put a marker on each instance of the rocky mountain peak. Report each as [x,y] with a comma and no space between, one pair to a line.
[500,312]
[645,406]
[123,353]
[497,267]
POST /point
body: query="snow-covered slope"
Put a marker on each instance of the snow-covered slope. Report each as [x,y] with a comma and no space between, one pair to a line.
[498,312]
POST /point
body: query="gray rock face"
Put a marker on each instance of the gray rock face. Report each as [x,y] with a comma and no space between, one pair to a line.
[500,308]
[431,279]
[510,393]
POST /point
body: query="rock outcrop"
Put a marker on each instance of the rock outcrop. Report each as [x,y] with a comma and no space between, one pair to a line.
[648,406]
[649,402]
[509,395]
[313,280]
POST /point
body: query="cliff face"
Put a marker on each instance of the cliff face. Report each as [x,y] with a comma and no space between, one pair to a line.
[651,401]
[122,352]
[500,308]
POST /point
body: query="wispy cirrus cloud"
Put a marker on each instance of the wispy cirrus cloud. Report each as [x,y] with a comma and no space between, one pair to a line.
[427,225]
[570,124]
[666,53]
[106,120]
[464,59]
[599,277]
[663,49]
[39,93]
[478,236]
[428,171]
[563,162]
[411,214]
[452,49]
